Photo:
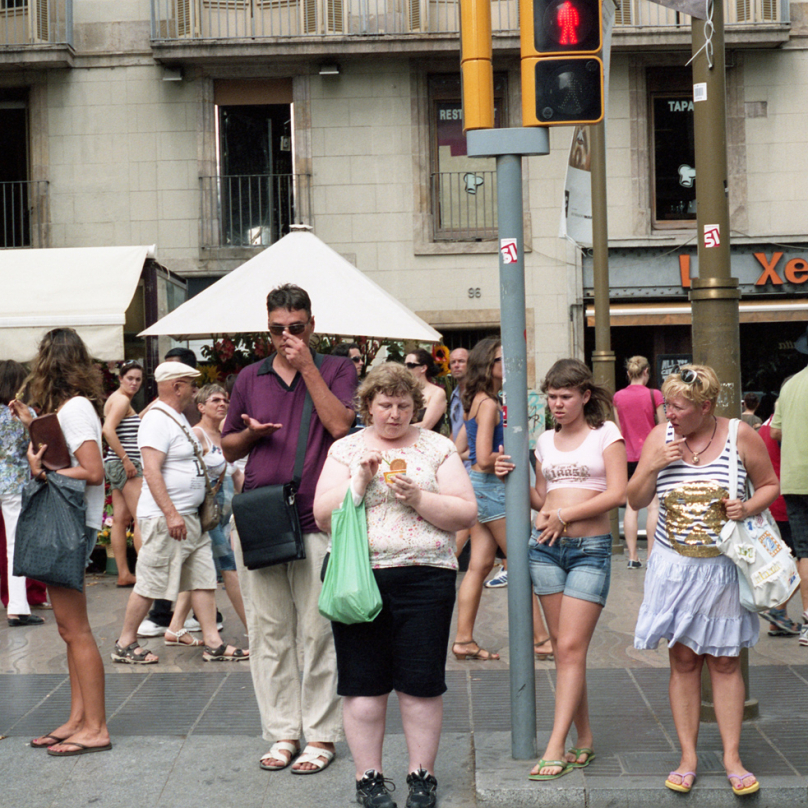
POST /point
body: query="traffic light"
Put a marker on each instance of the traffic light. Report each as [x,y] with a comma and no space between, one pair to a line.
[562,74]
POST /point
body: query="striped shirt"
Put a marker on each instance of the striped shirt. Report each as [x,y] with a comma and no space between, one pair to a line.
[127,435]
[690,508]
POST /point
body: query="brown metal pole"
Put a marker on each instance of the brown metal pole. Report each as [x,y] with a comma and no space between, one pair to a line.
[714,294]
[602,356]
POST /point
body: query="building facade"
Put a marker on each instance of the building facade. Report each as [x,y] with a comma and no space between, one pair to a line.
[208,127]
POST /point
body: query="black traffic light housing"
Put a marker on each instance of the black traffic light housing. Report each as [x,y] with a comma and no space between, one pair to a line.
[562,74]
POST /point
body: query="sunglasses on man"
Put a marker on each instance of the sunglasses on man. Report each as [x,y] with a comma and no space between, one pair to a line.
[296,329]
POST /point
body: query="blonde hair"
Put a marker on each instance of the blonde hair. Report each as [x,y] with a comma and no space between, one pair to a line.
[705,387]
[636,366]
[389,379]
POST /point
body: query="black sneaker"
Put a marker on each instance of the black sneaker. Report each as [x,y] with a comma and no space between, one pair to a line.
[423,788]
[373,791]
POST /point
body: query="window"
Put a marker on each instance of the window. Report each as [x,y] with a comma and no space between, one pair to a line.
[463,190]
[673,148]
[15,230]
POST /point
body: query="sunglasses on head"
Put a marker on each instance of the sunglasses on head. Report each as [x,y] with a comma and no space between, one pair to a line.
[294,328]
[413,365]
[130,363]
[689,376]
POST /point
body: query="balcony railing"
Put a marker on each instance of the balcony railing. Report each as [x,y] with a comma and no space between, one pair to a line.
[264,19]
[252,210]
[23,207]
[464,205]
[643,13]
[36,22]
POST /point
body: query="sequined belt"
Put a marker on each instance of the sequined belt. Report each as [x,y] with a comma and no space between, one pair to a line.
[695,550]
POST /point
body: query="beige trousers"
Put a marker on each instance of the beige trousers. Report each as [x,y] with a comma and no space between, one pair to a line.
[287,632]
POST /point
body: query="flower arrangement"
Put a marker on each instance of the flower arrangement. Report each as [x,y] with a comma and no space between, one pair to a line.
[440,353]
[229,354]
[105,534]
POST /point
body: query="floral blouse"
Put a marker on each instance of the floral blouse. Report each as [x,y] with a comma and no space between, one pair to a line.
[14,470]
[397,535]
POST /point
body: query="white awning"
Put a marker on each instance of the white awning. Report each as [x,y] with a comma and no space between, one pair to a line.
[86,288]
[344,300]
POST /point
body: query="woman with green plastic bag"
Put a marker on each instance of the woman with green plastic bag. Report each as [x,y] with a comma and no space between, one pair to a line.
[416,495]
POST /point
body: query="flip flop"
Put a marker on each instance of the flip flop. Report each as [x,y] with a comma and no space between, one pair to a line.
[275,754]
[80,749]
[314,755]
[680,787]
[584,750]
[566,768]
[183,632]
[741,789]
[56,739]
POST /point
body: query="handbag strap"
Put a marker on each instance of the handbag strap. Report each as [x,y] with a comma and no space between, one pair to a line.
[305,427]
[733,467]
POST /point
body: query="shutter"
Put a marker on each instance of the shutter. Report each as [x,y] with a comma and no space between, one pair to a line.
[309,9]
[185,25]
[335,23]
[743,10]
[768,10]
[417,15]
[622,15]
[40,19]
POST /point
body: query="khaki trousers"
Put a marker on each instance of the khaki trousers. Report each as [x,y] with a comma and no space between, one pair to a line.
[288,633]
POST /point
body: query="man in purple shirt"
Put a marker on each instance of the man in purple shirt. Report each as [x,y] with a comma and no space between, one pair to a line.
[263,422]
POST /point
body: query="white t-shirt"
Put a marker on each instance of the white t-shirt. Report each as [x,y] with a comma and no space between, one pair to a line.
[80,423]
[184,478]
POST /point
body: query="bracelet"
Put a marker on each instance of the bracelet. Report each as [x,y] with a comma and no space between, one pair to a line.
[558,514]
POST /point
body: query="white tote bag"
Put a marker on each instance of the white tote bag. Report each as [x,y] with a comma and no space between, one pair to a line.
[767,574]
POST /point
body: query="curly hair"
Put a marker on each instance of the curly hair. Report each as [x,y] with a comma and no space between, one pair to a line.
[704,386]
[479,371]
[63,369]
[572,374]
[389,379]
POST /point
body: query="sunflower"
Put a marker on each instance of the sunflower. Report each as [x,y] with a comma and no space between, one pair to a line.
[440,353]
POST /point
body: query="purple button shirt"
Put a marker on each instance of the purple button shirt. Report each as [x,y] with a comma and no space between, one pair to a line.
[262,394]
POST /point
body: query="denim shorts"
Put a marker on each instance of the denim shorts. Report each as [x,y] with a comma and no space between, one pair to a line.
[580,568]
[490,493]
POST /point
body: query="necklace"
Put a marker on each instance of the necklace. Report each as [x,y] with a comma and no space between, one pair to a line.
[695,455]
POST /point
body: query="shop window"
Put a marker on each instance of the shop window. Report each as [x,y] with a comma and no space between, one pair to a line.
[463,193]
[673,149]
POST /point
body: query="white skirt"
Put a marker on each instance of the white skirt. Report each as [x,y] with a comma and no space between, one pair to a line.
[694,601]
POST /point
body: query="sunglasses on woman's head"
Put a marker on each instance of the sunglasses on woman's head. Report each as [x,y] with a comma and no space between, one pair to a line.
[130,363]
[689,376]
[294,328]
[413,365]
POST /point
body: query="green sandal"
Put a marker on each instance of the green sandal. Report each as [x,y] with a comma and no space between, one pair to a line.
[565,767]
[576,753]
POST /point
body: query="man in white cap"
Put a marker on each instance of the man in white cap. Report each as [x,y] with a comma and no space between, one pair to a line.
[176,555]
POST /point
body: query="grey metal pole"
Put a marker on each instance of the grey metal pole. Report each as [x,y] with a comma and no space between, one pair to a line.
[517,494]
[508,146]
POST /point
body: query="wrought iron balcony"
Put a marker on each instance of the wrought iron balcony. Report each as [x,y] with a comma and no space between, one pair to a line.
[23,207]
[217,20]
[252,210]
[464,205]
[30,23]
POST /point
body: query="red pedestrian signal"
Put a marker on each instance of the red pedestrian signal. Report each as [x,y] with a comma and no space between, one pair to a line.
[562,74]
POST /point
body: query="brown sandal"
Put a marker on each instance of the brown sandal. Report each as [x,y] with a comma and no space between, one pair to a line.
[478,653]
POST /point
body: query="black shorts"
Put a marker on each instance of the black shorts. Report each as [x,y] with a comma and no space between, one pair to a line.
[404,648]
[797,508]
[632,467]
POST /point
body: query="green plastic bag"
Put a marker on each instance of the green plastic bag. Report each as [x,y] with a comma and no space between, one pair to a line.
[350,593]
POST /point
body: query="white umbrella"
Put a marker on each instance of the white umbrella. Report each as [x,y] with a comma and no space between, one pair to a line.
[343,300]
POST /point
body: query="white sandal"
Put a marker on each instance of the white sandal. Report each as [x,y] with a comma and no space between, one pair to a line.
[275,753]
[314,755]
[183,632]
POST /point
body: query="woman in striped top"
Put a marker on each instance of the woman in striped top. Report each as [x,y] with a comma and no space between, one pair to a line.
[122,464]
[691,591]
